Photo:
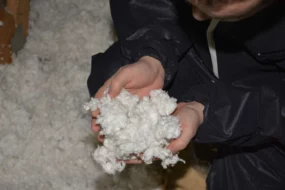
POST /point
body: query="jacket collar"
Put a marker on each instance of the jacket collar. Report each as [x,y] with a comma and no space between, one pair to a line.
[261,34]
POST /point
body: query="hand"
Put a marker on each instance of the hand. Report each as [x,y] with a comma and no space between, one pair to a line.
[191,117]
[138,78]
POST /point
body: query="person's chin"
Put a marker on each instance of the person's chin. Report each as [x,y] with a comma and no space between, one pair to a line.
[225,18]
[199,15]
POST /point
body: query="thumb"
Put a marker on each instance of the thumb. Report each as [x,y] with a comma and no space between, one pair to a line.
[119,81]
[183,140]
[178,144]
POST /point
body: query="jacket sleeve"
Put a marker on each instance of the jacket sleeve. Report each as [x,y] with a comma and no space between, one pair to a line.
[246,113]
[147,27]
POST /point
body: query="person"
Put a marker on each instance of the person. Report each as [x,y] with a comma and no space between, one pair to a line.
[225,62]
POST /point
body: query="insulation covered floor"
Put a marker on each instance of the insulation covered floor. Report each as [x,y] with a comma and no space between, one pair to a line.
[45,137]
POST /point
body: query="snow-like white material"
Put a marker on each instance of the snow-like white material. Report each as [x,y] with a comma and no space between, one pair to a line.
[134,127]
[45,138]
[1,23]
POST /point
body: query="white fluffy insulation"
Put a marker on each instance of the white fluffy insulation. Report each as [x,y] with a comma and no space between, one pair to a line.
[45,138]
[135,128]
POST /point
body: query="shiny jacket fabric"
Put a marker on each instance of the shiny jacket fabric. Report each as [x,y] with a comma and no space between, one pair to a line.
[244,108]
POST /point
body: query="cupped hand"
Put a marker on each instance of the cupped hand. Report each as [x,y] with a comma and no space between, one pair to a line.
[139,78]
[191,116]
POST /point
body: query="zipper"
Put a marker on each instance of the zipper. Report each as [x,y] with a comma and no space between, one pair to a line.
[199,63]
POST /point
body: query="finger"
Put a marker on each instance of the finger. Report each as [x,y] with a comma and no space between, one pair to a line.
[181,142]
[138,161]
[177,145]
[155,159]
[100,138]
[119,81]
[95,113]
[95,127]
[133,161]
[101,90]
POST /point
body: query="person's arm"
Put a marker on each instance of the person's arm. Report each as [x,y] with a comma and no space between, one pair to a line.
[245,113]
[150,28]
[144,28]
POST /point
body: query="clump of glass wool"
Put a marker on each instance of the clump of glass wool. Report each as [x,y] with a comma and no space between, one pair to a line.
[135,128]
